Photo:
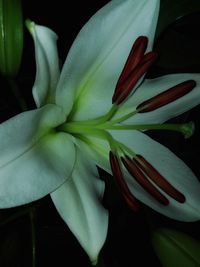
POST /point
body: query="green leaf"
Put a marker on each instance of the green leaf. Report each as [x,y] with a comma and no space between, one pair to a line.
[11,36]
[175,249]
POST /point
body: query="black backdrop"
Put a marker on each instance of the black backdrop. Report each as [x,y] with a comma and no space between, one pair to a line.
[128,242]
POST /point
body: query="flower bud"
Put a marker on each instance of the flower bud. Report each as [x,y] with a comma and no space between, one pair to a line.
[11,37]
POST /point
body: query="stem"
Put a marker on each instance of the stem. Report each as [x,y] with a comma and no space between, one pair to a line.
[32,215]
[14,217]
[16,92]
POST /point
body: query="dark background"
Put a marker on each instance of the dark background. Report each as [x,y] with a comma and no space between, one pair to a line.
[128,242]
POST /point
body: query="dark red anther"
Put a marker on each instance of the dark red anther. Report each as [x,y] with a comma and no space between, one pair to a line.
[139,176]
[166,97]
[117,174]
[125,88]
[158,179]
[135,56]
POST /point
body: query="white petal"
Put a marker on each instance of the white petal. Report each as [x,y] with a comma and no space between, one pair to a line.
[34,160]
[97,149]
[168,164]
[172,168]
[47,64]
[153,87]
[99,52]
[78,201]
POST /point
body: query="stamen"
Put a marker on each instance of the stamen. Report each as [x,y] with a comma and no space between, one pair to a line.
[166,97]
[134,58]
[158,179]
[123,90]
[117,174]
[139,176]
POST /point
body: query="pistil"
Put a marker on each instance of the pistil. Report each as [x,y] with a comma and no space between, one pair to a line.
[186,129]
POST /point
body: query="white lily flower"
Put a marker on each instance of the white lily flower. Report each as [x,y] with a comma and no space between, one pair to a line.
[95,113]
